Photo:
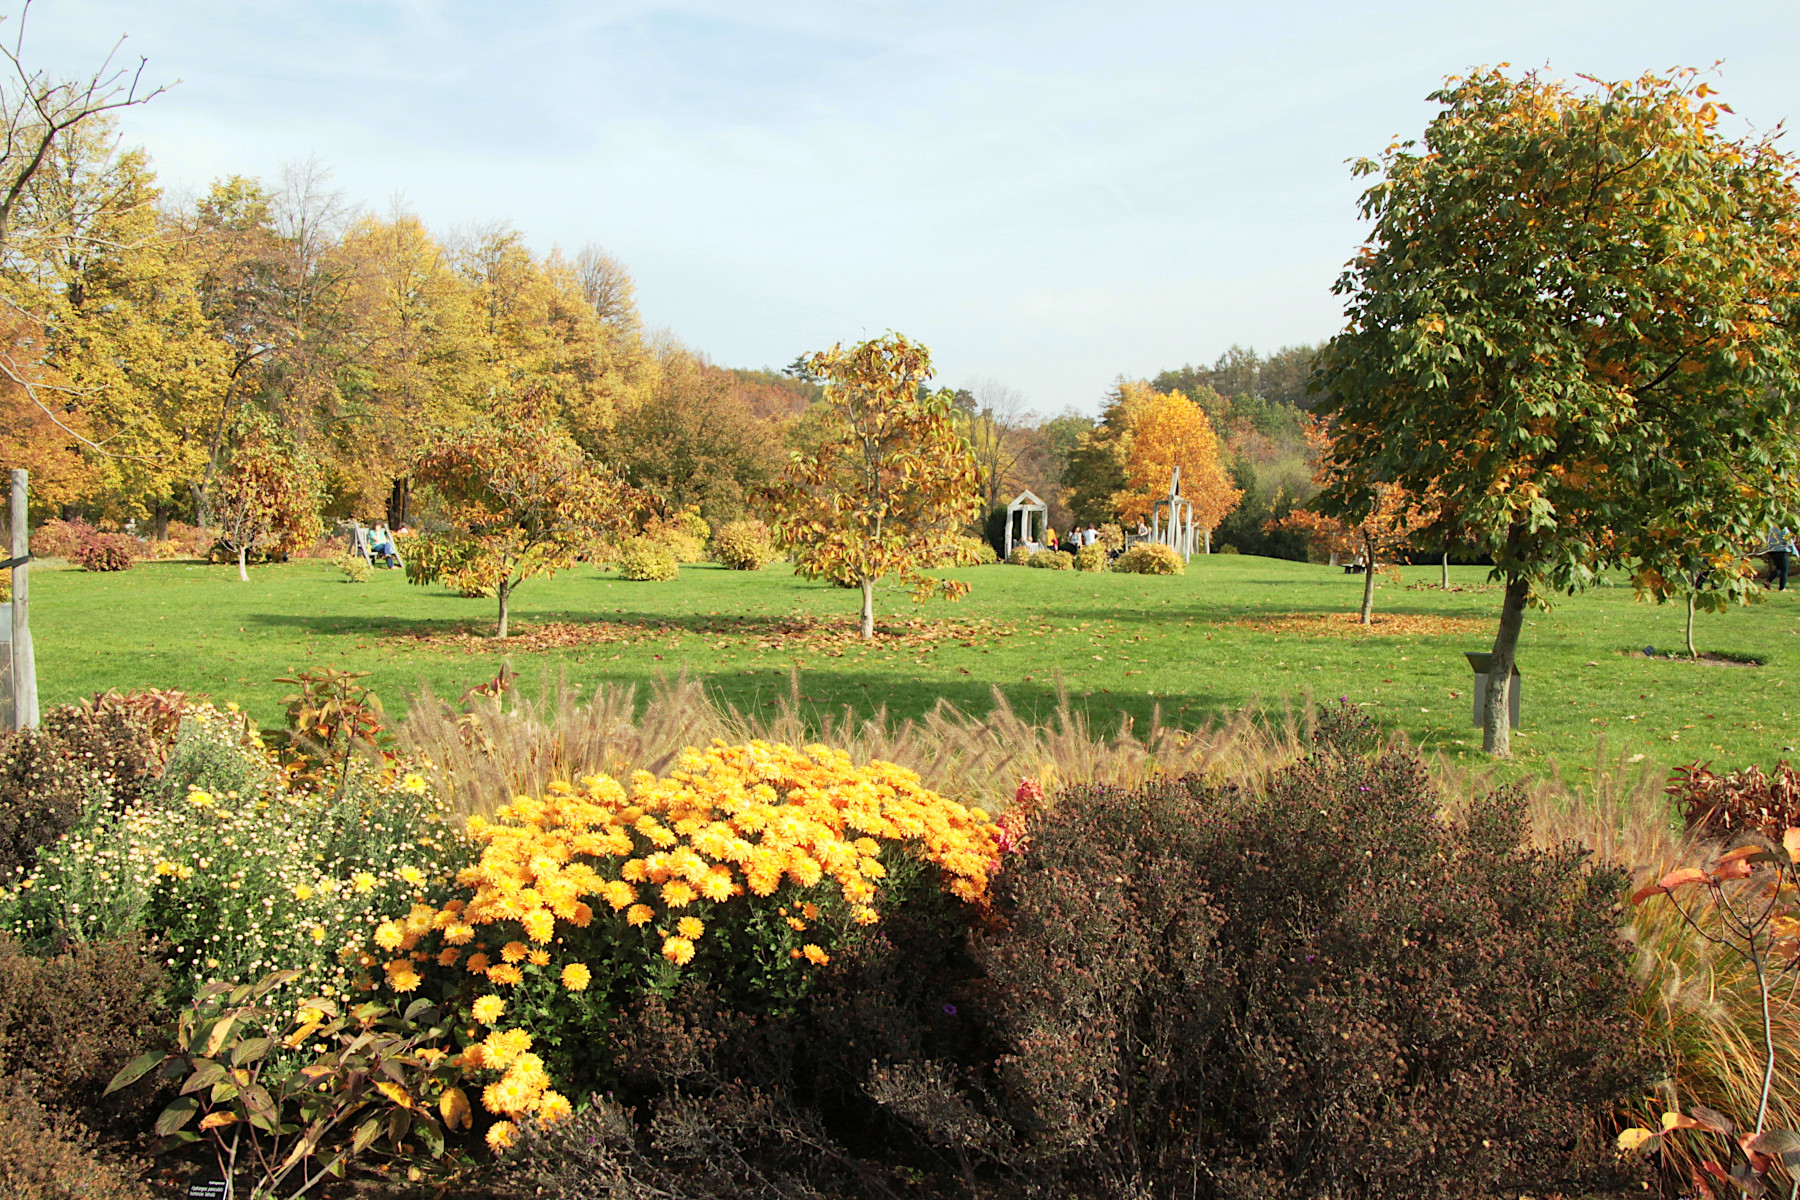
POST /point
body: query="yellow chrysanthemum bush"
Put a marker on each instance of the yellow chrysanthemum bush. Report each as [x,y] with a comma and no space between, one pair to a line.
[745,869]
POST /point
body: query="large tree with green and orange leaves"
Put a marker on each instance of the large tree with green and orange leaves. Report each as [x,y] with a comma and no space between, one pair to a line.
[889,479]
[1575,318]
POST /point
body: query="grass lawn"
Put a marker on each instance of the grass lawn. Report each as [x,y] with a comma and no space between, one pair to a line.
[1235,630]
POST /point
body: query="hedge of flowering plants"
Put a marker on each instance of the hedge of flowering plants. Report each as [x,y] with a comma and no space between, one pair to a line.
[237,874]
[745,868]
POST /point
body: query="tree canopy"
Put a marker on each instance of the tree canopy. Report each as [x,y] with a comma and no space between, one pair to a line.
[1575,318]
[888,479]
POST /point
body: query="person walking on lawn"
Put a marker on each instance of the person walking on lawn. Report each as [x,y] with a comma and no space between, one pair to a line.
[1781,552]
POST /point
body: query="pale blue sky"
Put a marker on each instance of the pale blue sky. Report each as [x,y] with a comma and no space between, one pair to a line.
[1048,194]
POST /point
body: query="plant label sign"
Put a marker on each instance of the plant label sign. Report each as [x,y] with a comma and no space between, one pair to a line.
[207,1189]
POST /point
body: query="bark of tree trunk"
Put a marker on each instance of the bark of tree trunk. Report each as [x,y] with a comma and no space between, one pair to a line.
[505,594]
[1692,653]
[399,500]
[161,525]
[243,567]
[1496,732]
[1368,601]
[1446,579]
[868,610]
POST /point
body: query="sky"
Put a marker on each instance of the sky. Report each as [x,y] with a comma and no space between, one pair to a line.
[1050,195]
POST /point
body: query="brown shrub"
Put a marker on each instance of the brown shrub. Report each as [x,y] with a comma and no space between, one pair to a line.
[1323,989]
[69,1021]
[48,1156]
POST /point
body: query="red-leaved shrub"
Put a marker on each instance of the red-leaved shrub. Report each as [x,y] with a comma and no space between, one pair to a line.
[108,552]
[58,538]
[1744,801]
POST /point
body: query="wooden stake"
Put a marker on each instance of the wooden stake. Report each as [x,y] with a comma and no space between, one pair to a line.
[25,698]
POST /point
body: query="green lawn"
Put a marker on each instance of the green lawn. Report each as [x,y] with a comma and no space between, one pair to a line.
[1121,643]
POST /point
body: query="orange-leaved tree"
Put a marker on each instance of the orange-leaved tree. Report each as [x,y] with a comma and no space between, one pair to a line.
[1386,527]
[267,501]
[890,478]
[1577,316]
[1165,430]
[521,500]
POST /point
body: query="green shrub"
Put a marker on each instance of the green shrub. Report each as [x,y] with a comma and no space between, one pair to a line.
[971,552]
[684,535]
[1052,560]
[1091,558]
[355,568]
[235,874]
[1150,558]
[49,1156]
[647,559]
[743,545]
[1322,989]
[1020,556]
[108,552]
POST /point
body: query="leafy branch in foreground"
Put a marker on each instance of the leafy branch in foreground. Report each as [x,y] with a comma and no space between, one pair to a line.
[1751,913]
[372,1079]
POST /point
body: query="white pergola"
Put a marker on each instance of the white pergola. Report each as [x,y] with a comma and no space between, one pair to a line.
[1172,521]
[1031,518]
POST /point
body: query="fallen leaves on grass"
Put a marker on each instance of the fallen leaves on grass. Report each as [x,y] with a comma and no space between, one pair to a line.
[1347,624]
[829,636]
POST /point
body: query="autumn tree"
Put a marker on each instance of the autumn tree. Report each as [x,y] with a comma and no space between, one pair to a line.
[1575,316]
[521,500]
[267,500]
[1166,430]
[888,479]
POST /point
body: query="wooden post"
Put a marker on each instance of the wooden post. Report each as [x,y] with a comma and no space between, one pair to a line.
[25,699]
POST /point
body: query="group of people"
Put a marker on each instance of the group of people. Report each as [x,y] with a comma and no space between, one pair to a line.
[374,544]
[1076,540]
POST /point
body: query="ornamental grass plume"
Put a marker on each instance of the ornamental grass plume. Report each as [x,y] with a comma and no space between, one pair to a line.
[590,895]
[510,745]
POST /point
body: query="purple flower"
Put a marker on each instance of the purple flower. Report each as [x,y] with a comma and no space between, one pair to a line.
[949,1010]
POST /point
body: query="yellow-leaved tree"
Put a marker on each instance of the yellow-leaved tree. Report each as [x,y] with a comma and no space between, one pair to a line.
[889,479]
[1165,430]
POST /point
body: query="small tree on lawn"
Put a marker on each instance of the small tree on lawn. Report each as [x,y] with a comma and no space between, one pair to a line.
[521,500]
[1385,529]
[1576,319]
[890,480]
[268,497]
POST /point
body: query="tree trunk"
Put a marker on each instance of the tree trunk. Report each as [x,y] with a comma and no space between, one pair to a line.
[505,594]
[1692,653]
[161,525]
[1368,603]
[399,503]
[1496,733]
[243,568]
[868,610]
[1446,582]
